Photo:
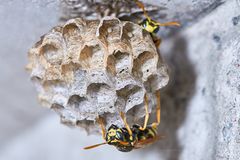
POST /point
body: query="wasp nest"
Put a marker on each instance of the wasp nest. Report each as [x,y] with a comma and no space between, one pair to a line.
[87,68]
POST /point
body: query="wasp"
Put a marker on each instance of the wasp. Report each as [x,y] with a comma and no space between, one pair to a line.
[152,26]
[127,138]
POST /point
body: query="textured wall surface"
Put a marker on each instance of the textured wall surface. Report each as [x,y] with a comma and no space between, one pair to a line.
[200,106]
[205,91]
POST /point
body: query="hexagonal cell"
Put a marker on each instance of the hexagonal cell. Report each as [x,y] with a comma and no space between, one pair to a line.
[122,62]
[72,34]
[75,101]
[111,31]
[119,63]
[144,65]
[132,94]
[131,32]
[102,97]
[52,54]
[91,57]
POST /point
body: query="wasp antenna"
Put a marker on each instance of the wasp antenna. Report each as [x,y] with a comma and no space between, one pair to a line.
[169,24]
[94,146]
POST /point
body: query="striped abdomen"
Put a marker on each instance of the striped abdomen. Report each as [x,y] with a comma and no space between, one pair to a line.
[147,133]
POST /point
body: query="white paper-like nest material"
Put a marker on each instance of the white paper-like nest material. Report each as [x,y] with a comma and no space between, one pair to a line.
[87,68]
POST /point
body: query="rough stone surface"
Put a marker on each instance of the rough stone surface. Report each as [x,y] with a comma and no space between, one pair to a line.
[200,107]
[201,104]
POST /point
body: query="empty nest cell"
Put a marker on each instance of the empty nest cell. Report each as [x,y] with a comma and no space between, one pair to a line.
[119,63]
[144,65]
[92,57]
[132,94]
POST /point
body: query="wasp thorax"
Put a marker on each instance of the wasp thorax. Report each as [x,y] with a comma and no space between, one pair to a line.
[87,68]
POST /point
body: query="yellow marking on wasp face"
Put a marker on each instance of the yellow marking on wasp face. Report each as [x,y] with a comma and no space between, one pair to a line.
[150,27]
[115,140]
[112,132]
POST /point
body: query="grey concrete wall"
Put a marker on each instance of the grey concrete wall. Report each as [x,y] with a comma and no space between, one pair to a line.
[205,89]
[201,105]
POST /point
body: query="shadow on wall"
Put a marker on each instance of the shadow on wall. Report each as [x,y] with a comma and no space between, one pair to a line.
[174,100]
[176,97]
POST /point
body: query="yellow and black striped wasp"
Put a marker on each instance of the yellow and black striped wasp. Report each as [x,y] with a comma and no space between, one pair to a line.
[152,26]
[128,138]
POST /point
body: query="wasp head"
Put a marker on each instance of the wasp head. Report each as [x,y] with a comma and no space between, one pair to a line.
[150,26]
[120,138]
[114,135]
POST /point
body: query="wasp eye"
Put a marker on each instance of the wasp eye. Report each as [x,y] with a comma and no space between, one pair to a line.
[118,135]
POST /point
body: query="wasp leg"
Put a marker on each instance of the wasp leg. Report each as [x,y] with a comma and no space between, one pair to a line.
[146,113]
[102,125]
[125,123]
[158,111]
[141,5]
